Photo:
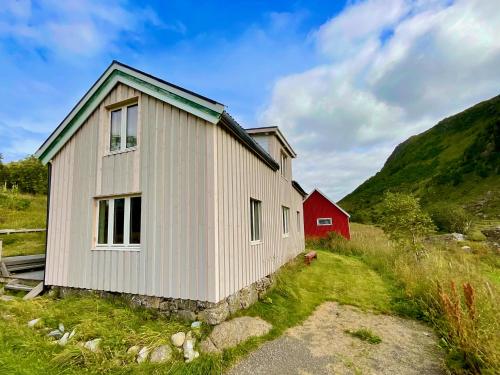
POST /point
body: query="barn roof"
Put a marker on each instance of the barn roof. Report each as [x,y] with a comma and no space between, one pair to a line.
[335,204]
[189,101]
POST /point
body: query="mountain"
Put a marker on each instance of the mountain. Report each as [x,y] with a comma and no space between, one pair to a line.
[456,161]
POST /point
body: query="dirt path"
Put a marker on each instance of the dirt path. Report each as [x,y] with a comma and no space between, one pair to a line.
[321,346]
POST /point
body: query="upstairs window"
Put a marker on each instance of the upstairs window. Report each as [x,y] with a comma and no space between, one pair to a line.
[286,220]
[283,164]
[123,128]
[119,222]
[324,221]
[255,220]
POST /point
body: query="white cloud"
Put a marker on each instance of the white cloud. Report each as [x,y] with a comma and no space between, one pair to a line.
[80,27]
[392,69]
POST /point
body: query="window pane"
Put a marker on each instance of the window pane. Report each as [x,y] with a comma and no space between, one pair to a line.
[135,220]
[257,220]
[285,219]
[132,126]
[116,119]
[102,236]
[119,221]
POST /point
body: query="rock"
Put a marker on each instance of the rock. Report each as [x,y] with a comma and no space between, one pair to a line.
[63,340]
[215,315]
[238,330]
[143,354]
[133,350]
[61,327]
[196,325]
[467,249]
[188,347]
[72,334]
[248,296]
[207,346]
[93,345]
[186,315]
[33,323]
[6,298]
[178,339]
[234,303]
[458,237]
[55,333]
[161,354]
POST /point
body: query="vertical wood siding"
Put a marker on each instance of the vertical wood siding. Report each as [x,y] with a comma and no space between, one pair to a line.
[241,176]
[172,168]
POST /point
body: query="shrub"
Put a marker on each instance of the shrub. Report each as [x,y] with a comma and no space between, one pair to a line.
[449,218]
[10,199]
[403,219]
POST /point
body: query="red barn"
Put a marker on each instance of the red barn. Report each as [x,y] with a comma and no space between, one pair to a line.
[321,216]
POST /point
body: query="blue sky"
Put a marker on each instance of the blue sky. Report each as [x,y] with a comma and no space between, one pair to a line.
[346,81]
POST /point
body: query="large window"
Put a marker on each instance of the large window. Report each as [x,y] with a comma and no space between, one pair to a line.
[123,128]
[255,220]
[119,222]
[286,220]
[324,221]
[283,164]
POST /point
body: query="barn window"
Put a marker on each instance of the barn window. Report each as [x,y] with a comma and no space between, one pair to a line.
[123,128]
[283,164]
[119,223]
[255,220]
[324,221]
[286,220]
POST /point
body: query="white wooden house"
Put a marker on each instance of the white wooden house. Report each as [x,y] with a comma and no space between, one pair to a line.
[158,191]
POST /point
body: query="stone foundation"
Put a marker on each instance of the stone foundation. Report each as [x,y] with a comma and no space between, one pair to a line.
[208,312]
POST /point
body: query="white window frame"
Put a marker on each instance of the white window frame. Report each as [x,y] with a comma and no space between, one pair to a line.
[126,245]
[252,221]
[283,163]
[285,218]
[324,218]
[123,127]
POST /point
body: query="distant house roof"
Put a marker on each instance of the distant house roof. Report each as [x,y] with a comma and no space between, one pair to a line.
[297,187]
[276,131]
[335,204]
[198,105]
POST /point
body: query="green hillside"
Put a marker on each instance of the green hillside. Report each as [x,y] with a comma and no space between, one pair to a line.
[456,161]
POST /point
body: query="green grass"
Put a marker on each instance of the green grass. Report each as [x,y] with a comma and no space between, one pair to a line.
[32,217]
[299,290]
[365,334]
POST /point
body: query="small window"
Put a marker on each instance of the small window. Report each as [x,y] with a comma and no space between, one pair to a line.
[324,221]
[119,222]
[255,220]
[299,227]
[286,220]
[283,164]
[123,129]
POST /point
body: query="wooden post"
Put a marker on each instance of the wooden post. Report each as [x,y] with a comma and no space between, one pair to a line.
[3,268]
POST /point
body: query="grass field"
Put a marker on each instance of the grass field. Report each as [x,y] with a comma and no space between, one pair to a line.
[299,290]
[454,290]
[13,216]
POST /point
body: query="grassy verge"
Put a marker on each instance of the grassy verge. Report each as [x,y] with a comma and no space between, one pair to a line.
[298,291]
[467,320]
[30,214]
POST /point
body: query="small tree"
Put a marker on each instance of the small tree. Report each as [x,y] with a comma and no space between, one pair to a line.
[404,221]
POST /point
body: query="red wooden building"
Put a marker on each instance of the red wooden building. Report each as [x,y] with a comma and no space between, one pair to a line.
[321,216]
